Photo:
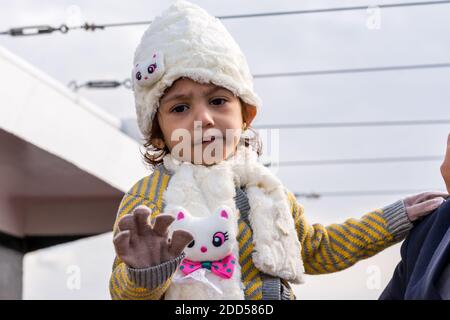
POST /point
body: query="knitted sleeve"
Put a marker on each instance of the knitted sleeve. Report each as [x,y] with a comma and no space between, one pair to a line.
[339,246]
[150,283]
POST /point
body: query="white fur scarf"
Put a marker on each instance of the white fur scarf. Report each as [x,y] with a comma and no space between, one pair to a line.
[201,189]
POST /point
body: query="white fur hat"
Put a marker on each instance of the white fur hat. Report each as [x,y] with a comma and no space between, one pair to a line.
[185,41]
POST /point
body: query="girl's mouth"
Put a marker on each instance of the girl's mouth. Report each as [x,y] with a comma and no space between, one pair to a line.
[208,140]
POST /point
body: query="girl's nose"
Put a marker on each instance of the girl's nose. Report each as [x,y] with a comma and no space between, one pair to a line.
[203,249]
[204,115]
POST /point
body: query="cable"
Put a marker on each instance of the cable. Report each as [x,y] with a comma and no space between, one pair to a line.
[352,124]
[355,70]
[35,30]
[325,72]
[358,193]
[352,161]
[310,11]
[100,84]
[45,29]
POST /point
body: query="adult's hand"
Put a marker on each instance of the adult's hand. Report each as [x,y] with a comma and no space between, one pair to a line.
[445,167]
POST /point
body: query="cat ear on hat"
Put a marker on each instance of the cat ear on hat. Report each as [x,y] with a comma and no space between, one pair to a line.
[147,72]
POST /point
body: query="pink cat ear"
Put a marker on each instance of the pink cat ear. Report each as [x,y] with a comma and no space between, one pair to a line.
[180,215]
[224,214]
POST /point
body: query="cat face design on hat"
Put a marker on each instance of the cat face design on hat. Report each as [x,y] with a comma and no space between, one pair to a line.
[147,72]
[213,235]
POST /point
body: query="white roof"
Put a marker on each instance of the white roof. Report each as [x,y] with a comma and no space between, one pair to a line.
[57,148]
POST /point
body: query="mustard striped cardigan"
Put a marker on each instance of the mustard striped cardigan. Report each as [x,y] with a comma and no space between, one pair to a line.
[324,249]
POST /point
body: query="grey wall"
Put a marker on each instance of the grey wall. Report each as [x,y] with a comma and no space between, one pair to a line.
[11,272]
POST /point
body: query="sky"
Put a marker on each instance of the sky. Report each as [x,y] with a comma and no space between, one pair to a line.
[322,41]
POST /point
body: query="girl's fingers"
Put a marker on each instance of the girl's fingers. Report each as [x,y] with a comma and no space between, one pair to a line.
[126,223]
[141,215]
[122,243]
[180,239]
[162,222]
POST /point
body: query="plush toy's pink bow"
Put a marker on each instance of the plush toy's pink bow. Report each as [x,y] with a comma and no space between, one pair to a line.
[223,268]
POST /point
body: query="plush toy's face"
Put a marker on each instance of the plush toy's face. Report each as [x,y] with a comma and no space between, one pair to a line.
[213,235]
[146,73]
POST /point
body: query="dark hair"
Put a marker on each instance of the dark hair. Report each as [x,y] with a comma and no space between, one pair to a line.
[153,156]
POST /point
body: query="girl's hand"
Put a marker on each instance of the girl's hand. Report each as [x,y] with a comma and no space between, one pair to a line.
[421,204]
[141,245]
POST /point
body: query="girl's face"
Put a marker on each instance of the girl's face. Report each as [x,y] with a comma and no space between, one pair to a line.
[200,123]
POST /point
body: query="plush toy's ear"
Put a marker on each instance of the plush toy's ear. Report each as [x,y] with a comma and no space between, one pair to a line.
[224,212]
[181,214]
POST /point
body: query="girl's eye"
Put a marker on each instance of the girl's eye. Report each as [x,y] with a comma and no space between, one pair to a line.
[179,109]
[191,244]
[218,101]
[219,238]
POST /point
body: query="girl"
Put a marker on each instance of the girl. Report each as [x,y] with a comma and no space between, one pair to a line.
[194,97]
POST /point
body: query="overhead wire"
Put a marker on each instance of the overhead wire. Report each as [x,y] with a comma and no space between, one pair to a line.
[64,28]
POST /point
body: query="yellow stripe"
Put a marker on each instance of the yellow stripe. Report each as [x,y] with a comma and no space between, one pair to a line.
[154,183]
[246,266]
[129,288]
[380,211]
[247,252]
[144,186]
[353,224]
[124,203]
[315,241]
[164,182]
[346,238]
[378,218]
[319,234]
[296,219]
[308,243]
[129,207]
[319,264]
[242,225]
[123,283]
[252,274]
[371,232]
[324,241]
[252,287]
[255,286]
[115,290]
[353,232]
[243,238]
[155,210]
[341,241]
[134,189]
[258,296]
[312,257]
[376,226]
[313,267]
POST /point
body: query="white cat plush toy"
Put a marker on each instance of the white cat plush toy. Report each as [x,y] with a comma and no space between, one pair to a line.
[211,268]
